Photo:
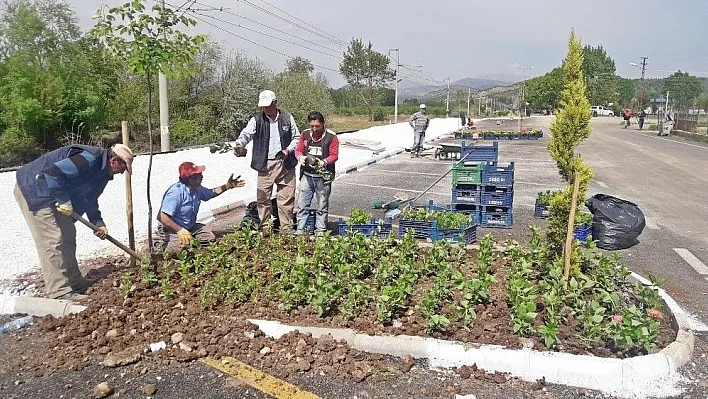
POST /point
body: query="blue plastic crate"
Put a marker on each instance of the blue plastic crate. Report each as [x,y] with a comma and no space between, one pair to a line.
[582,232]
[466,195]
[474,211]
[498,218]
[429,230]
[480,153]
[541,211]
[373,228]
[493,196]
[497,175]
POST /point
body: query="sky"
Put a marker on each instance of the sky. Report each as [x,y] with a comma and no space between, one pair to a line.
[455,39]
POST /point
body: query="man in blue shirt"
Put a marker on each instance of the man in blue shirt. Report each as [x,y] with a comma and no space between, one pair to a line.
[49,190]
[180,206]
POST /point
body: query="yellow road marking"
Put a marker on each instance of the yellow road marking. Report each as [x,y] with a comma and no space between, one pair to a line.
[263,382]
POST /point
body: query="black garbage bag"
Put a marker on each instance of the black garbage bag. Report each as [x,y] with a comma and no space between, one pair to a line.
[616,223]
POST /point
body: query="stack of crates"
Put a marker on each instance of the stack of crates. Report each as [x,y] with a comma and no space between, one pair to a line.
[483,188]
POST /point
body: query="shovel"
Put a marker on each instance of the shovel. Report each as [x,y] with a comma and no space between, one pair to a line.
[108,237]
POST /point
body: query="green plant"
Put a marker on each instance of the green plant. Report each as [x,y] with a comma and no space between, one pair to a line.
[635,327]
[359,216]
[591,319]
[126,284]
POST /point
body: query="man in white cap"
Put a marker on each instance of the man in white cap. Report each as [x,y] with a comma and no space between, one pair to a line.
[419,122]
[50,190]
[275,135]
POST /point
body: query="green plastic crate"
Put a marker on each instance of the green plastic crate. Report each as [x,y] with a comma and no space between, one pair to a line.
[467,174]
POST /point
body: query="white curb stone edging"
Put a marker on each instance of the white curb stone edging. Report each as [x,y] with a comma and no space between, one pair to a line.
[638,377]
[38,306]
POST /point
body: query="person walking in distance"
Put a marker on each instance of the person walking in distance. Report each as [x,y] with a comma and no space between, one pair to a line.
[627,116]
[274,134]
[318,148]
[52,188]
[419,122]
[642,116]
[180,206]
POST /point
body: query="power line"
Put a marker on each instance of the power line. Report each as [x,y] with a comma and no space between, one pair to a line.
[304,27]
[334,38]
[275,29]
[267,35]
[257,44]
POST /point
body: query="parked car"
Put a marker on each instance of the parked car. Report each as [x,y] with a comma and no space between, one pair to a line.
[599,110]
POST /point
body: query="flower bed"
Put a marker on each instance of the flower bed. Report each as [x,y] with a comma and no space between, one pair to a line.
[374,285]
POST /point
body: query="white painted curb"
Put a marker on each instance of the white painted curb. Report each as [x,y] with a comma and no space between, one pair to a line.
[640,376]
[38,306]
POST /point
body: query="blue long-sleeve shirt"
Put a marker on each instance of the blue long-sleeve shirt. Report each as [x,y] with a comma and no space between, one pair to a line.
[74,173]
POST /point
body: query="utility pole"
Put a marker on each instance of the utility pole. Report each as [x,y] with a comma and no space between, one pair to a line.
[469,94]
[395,99]
[447,102]
[164,108]
[479,106]
[641,84]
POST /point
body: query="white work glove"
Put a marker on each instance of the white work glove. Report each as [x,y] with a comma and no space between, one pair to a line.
[303,160]
[65,207]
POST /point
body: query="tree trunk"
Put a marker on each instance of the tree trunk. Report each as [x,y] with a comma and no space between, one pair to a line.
[149,201]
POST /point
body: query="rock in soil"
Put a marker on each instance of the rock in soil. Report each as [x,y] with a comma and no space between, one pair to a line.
[122,359]
[177,338]
[149,389]
[465,372]
[102,390]
[406,363]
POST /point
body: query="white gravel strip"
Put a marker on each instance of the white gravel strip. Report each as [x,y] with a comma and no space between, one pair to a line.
[18,246]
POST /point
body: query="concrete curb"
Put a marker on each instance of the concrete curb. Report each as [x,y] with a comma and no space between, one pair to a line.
[38,306]
[633,377]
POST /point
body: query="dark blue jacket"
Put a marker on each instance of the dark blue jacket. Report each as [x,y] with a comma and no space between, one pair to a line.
[78,173]
[261,141]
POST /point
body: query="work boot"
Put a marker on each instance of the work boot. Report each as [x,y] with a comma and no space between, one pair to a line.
[73,297]
[412,154]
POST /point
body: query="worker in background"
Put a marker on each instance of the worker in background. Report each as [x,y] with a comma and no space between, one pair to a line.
[180,206]
[627,116]
[642,116]
[317,149]
[275,135]
[49,191]
[419,121]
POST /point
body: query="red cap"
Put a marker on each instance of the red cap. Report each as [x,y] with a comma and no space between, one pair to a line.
[188,169]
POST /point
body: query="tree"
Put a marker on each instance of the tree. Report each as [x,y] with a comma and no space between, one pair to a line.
[150,43]
[544,92]
[300,94]
[300,65]
[683,89]
[240,81]
[599,71]
[570,129]
[366,70]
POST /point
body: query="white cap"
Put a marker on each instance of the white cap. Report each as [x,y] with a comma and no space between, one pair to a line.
[126,154]
[266,98]
[422,105]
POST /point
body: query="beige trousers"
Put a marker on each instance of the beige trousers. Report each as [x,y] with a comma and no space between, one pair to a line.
[284,179]
[54,237]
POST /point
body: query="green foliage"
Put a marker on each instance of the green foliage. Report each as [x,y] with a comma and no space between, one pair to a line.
[15,147]
[148,40]
[684,89]
[543,92]
[366,71]
[379,114]
[570,129]
[185,132]
[634,326]
[300,94]
[444,219]
[359,216]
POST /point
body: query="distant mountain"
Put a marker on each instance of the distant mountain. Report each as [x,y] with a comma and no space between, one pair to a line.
[431,92]
[479,83]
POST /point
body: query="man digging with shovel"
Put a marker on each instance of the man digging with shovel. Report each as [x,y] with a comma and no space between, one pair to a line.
[52,188]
